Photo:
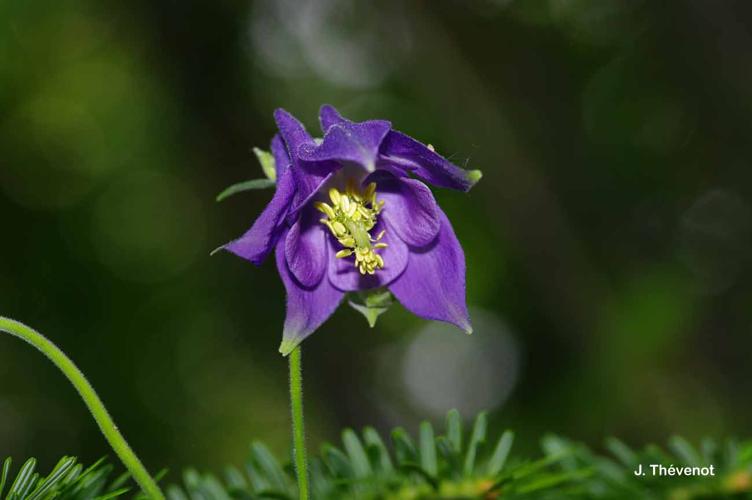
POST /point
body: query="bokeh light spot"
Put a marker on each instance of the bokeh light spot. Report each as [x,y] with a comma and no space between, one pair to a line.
[343,43]
[443,368]
[715,239]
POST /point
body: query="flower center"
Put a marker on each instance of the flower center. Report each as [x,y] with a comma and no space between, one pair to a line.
[350,217]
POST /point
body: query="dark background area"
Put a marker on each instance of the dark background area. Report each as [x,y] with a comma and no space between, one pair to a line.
[607,245]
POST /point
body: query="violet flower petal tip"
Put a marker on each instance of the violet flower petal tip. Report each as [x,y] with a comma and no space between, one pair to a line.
[328,116]
[466,327]
[230,248]
[288,345]
[281,114]
[474,176]
[463,323]
[293,132]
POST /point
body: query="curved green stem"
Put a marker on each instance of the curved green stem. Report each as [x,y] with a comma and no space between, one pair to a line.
[298,433]
[92,401]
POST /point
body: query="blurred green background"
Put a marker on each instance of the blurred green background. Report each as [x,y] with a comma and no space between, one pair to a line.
[607,246]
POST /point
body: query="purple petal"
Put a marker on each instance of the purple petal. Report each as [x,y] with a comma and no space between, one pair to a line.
[306,248]
[281,157]
[309,177]
[258,241]
[329,116]
[307,308]
[404,152]
[409,208]
[349,141]
[292,131]
[433,284]
[344,275]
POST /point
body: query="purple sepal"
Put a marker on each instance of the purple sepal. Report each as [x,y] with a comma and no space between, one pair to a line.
[433,283]
[328,116]
[308,177]
[307,308]
[402,151]
[260,239]
[349,141]
[281,157]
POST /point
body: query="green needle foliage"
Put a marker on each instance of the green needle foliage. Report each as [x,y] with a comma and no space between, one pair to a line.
[469,465]
[68,480]
[457,464]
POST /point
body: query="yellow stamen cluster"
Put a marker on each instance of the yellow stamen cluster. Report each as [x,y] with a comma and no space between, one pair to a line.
[350,217]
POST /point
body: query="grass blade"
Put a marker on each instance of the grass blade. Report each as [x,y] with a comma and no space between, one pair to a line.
[54,479]
[404,447]
[22,480]
[427,444]
[685,451]
[377,449]
[4,474]
[269,466]
[477,438]
[454,430]
[175,493]
[500,454]
[358,457]
[622,452]
[337,462]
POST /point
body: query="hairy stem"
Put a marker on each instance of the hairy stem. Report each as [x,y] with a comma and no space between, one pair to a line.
[92,401]
[298,433]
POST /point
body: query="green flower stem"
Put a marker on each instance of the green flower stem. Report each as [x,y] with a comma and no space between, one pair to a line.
[298,433]
[92,401]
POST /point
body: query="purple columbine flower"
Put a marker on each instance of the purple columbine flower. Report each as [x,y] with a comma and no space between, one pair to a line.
[352,213]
